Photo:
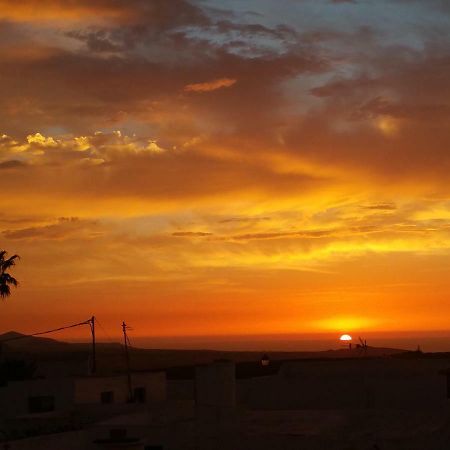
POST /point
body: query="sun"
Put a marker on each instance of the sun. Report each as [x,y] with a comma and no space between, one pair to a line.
[345,338]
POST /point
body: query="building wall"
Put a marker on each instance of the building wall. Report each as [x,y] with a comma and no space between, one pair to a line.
[63,368]
[379,383]
[69,393]
[215,384]
[88,389]
[14,398]
[154,383]
[181,390]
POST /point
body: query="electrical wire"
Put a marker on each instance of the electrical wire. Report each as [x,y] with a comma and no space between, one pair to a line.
[23,336]
[108,337]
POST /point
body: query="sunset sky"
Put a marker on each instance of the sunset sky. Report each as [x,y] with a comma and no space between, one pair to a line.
[226,167]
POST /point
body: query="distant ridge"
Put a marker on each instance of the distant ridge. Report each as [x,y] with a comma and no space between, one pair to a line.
[110,356]
[12,340]
[16,341]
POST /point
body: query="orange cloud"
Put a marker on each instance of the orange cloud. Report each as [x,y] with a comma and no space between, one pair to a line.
[209,86]
[38,10]
[153,13]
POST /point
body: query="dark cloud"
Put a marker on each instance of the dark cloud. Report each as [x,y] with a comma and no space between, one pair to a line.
[96,41]
[381,206]
[80,92]
[285,234]
[154,23]
[63,228]
[191,234]
[310,234]
[12,164]
[244,219]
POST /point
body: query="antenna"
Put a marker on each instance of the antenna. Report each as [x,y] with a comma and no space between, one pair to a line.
[126,342]
[362,346]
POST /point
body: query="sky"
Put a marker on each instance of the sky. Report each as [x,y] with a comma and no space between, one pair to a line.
[226,168]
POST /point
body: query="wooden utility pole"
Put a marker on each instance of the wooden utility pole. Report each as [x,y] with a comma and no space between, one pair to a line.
[94,355]
[127,357]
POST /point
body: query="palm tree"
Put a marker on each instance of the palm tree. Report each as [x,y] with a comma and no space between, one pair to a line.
[6,280]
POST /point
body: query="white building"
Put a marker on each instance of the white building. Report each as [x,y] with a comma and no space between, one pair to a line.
[68,395]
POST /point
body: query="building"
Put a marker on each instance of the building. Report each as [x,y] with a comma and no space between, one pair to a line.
[45,406]
[359,404]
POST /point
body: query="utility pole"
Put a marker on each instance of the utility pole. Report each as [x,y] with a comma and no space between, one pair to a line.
[94,356]
[90,322]
[127,357]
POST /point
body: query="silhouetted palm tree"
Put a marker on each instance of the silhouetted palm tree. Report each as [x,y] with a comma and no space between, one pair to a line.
[6,280]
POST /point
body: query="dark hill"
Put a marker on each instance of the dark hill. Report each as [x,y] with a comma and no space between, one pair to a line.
[17,342]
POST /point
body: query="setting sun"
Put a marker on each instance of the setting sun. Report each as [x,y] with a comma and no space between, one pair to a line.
[345,338]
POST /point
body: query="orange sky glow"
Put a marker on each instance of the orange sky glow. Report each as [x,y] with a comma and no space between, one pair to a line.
[208,168]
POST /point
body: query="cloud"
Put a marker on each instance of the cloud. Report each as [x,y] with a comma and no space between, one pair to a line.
[122,12]
[35,10]
[65,227]
[191,234]
[244,219]
[381,206]
[310,234]
[12,164]
[94,169]
[95,92]
[209,86]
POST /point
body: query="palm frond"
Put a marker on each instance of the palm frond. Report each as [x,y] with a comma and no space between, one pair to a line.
[5,291]
[6,278]
[8,263]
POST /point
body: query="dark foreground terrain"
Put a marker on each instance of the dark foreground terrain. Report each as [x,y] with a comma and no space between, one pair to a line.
[372,399]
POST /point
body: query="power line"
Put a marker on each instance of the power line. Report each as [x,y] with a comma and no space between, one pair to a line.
[107,335]
[23,336]
[90,322]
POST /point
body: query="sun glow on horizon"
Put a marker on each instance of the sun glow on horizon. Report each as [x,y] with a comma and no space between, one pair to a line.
[340,323]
